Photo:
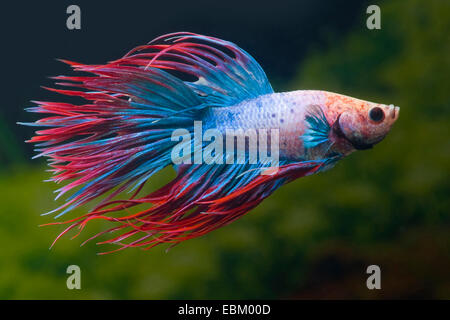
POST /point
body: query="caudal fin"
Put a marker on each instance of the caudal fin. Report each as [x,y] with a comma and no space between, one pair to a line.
[121,137]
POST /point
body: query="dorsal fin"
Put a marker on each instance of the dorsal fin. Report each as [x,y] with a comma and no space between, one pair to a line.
[224,73]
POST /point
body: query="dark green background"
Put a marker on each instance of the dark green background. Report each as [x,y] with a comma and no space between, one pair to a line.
[313,238]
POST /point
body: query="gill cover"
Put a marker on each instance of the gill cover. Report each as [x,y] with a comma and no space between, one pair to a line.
[357,129]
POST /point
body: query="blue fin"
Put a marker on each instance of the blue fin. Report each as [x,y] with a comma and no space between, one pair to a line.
[318,127]
[225,74]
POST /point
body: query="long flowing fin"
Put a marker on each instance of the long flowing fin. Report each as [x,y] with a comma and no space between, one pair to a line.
[202,199]
[122,136]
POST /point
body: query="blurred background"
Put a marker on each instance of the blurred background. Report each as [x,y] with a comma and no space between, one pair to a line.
[313,238]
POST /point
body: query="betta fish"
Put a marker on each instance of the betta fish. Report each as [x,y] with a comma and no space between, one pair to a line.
[123,134]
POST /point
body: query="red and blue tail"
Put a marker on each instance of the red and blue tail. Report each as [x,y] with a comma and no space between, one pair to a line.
[121,137]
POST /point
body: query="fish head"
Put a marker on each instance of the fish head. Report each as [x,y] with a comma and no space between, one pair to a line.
[364,124]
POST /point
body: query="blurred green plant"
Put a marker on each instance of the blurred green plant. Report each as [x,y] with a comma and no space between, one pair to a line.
[313,238]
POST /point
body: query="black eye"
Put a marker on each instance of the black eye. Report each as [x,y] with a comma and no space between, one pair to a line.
[376,114]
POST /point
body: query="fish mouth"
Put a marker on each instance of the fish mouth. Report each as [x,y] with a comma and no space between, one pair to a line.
[358,145]
[394,111]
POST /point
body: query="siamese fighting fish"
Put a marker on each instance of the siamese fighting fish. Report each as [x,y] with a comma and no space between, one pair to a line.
[204,107]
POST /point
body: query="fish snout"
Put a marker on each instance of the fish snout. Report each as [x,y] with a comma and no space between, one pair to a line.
[393,111]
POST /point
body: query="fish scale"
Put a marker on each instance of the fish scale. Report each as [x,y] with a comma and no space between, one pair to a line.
[283,111]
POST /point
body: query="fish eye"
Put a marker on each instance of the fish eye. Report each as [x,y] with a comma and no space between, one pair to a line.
[376,114]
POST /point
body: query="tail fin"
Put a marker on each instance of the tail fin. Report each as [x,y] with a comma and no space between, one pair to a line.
[122,136]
